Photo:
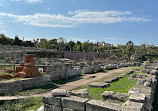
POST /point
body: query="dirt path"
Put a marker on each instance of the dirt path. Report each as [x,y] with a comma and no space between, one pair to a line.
[84,80]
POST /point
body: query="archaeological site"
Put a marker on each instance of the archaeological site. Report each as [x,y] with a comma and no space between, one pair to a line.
[75,81]
[78,55]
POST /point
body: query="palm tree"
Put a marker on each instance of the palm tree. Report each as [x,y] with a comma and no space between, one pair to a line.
[129,48]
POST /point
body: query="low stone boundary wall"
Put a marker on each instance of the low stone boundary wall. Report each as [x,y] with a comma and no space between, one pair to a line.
[88,69]
[13,85]
[62,70]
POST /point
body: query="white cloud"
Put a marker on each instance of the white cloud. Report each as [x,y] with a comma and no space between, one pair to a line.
[75,18]
[33,1]
[114,39]
[15,0]
[2,30]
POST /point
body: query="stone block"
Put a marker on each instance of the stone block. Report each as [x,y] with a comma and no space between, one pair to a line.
[147,84]
[133,75]
[48,99]
[140,82]
[99,84]
[68,109]
[134,90]
[98,105]
[120,96]
[52,108]
[87,70]
[108,95]
[83,93]
[60,92]
[132,106]
[56,108]
[137,98]
[74,102]
[47,107]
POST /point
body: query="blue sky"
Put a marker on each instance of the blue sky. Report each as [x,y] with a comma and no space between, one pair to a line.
[112,21]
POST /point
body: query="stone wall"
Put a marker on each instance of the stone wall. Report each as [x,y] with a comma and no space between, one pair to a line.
[61,70]
[22,84]
[85,55]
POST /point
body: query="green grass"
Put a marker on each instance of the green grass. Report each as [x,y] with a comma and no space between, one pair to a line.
[22,105]
[122,86]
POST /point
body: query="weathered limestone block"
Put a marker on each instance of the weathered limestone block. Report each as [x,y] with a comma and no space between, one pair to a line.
[132,106]
[56,108]
[83,93]
[99,84]
[56,71]
[60,93]
[147,84]
[47,107]
[68,109]
[48,99]
[153,72]
[140,82]
[134,90]
[148,71]
[133,75]
[74,72]
[98,105]
[87,70]
[120,96]
[52,108]
[107,95]
[97,67]
[137,98]
[74,102]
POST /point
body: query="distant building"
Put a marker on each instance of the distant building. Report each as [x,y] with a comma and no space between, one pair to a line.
[120,46]
[42,40]
[104,44]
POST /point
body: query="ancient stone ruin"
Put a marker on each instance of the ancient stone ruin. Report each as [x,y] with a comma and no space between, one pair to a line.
[28,68]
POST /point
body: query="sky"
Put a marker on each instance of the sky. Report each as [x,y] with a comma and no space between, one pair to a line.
[112,21]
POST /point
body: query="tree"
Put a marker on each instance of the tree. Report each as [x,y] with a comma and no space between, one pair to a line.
[43,44]
[17,41]
[78,47]
[71,45]
[85,46]
[129,48]
[28,44]
[5,40]
[53,44]
[61,43]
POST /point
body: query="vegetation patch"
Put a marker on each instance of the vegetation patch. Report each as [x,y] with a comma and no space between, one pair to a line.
[22,104]
[122,86]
